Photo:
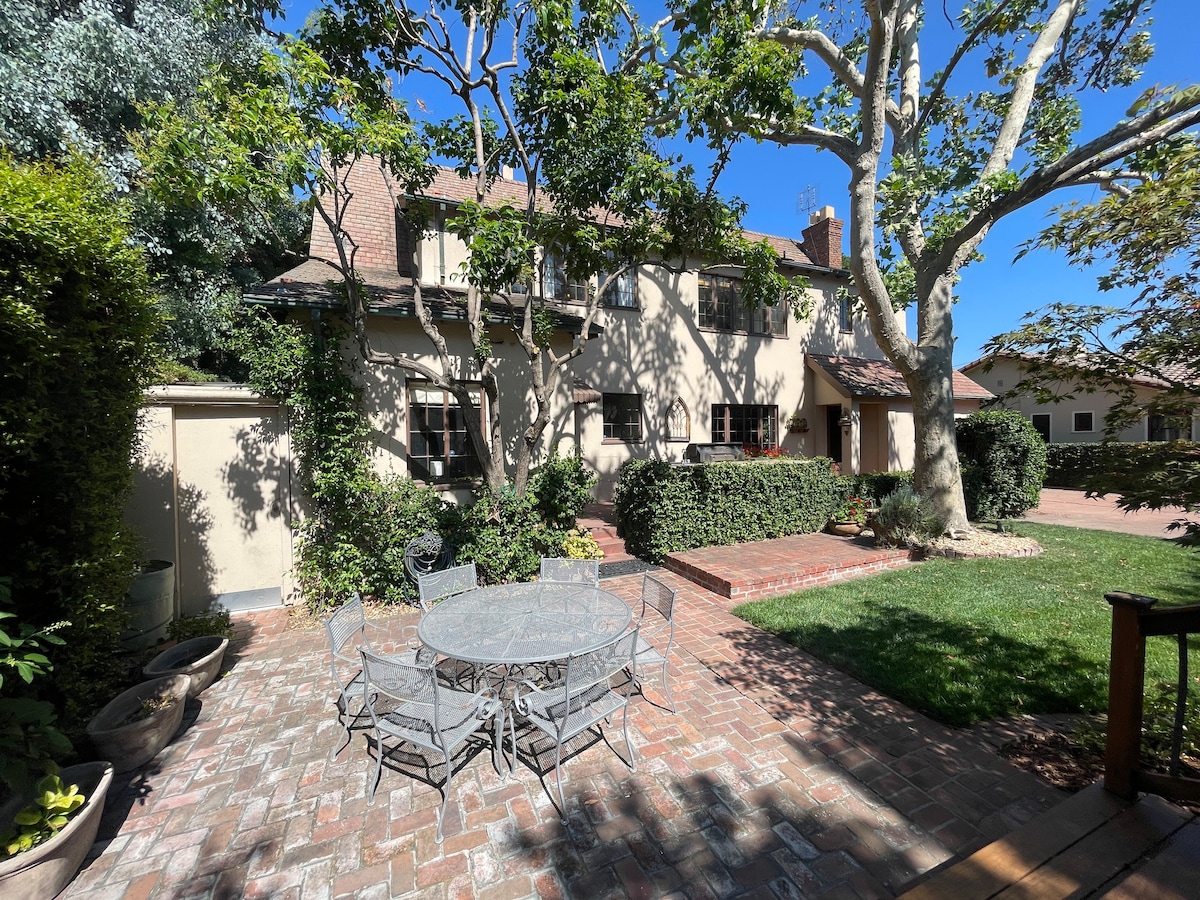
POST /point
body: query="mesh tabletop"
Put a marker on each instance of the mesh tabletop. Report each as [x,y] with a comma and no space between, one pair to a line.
[524,623]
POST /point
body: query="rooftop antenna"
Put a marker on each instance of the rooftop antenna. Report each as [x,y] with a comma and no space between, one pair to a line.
[806,200]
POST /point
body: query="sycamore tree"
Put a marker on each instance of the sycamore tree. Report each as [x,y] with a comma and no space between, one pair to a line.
[539,88]
[937,146]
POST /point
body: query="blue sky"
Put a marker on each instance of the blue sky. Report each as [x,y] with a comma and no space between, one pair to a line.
[996,292]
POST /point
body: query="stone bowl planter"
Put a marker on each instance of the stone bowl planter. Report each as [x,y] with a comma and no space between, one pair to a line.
[198,658]
[130,743]
[49,867]
[844,529]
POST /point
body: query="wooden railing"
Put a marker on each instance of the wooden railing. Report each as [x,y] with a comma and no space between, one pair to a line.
[1134,620]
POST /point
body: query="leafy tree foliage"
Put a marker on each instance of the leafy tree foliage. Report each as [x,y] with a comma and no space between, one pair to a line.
[74,78]
[936,153]
[535,92]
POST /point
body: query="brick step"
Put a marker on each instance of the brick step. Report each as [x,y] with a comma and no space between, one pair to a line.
[760,569]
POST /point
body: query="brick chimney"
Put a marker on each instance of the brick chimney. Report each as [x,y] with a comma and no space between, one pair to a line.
[823,238]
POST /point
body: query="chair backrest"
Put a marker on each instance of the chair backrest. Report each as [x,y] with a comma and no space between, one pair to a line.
[658,597]
[574,571]
[345,621]
[601,665]
[411,688]
[436,586]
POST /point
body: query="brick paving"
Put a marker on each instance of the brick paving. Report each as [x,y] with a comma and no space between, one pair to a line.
[779,777]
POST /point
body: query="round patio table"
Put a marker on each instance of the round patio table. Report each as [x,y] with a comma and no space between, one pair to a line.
[517,624]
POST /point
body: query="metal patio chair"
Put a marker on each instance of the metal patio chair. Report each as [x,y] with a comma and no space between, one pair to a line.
[657,635]
[407,704]
[572,571]
[347,621]
[582,700]
[435,586]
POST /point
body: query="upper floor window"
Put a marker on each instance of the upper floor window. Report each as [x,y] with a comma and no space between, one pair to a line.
[439,448]
[622,290]
[556,285]
[622,417]
[744,424]
[845,319]
[1083,421]
[721,307]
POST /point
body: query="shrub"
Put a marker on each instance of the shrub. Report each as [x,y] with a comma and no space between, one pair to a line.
[579,544]
[662,508]
[873,484]
[76,327]
[216,623]
[1004,464]
[561,487]
[905,519]
[505,537]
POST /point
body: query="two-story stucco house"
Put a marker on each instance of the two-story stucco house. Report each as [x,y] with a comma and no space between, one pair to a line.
[674,358]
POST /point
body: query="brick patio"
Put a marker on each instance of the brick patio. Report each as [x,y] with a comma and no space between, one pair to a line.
[779,777]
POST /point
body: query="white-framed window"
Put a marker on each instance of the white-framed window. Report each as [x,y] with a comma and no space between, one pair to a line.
[622,417]
[721,307]
[750,424]
[1083,422]
[556,285]
[1041,423]
[679,421]
[439,447]
[621,293]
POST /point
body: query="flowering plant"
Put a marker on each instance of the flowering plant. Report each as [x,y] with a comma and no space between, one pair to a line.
[853,509]
[753,451]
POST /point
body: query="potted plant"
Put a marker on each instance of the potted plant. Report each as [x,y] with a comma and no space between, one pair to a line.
[46,829]
[850,518]
[133,727]
[198,658]
[52,831]
[797,424]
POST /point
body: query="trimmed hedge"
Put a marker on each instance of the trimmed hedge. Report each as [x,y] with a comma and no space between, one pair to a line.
[662,507]
[1078,465]
[1003,464]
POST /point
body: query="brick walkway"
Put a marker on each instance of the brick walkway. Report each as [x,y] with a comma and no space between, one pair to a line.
[779,777]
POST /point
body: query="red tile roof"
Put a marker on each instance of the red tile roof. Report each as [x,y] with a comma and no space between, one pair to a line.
[879,378]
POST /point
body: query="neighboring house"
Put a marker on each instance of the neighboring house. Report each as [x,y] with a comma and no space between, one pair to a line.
[675,360]
[1077,420]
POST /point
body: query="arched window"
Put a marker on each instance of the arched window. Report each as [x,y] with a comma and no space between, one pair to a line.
[679,422]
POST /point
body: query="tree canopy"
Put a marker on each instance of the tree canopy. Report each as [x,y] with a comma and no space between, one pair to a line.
[938,147]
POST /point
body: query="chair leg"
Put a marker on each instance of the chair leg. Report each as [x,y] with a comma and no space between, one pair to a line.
[445,795]
[378,768]
[667,686]
[343,708]
[562,801]
[628,746]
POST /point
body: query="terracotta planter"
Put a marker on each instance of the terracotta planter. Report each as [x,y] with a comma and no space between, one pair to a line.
[130,744]
[49,867]
[845,529]
[199,659]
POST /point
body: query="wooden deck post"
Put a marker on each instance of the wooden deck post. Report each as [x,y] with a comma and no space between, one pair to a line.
[1127,672]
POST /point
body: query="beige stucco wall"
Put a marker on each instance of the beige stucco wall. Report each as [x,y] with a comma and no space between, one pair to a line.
[657,351]
[1006,373]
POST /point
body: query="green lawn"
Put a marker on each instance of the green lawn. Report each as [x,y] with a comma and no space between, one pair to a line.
[967,640]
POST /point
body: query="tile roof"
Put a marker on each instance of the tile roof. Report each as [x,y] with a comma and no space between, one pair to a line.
[388,294]
[879,378]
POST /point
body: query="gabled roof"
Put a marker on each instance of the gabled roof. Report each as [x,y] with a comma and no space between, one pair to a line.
[389,294]
[879,378]
[1179,372]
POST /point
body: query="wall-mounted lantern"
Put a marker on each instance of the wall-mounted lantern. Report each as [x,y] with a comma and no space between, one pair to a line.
[844,421]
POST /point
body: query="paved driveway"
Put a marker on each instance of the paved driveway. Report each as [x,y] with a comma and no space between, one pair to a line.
[1064,507]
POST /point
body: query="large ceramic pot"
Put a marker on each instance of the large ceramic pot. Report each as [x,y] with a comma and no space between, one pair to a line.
[199,659]
[150,603]
[130,742]
[49,867]
[845,529]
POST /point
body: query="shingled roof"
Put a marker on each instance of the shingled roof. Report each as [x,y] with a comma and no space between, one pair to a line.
[879,378]
[390,294]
